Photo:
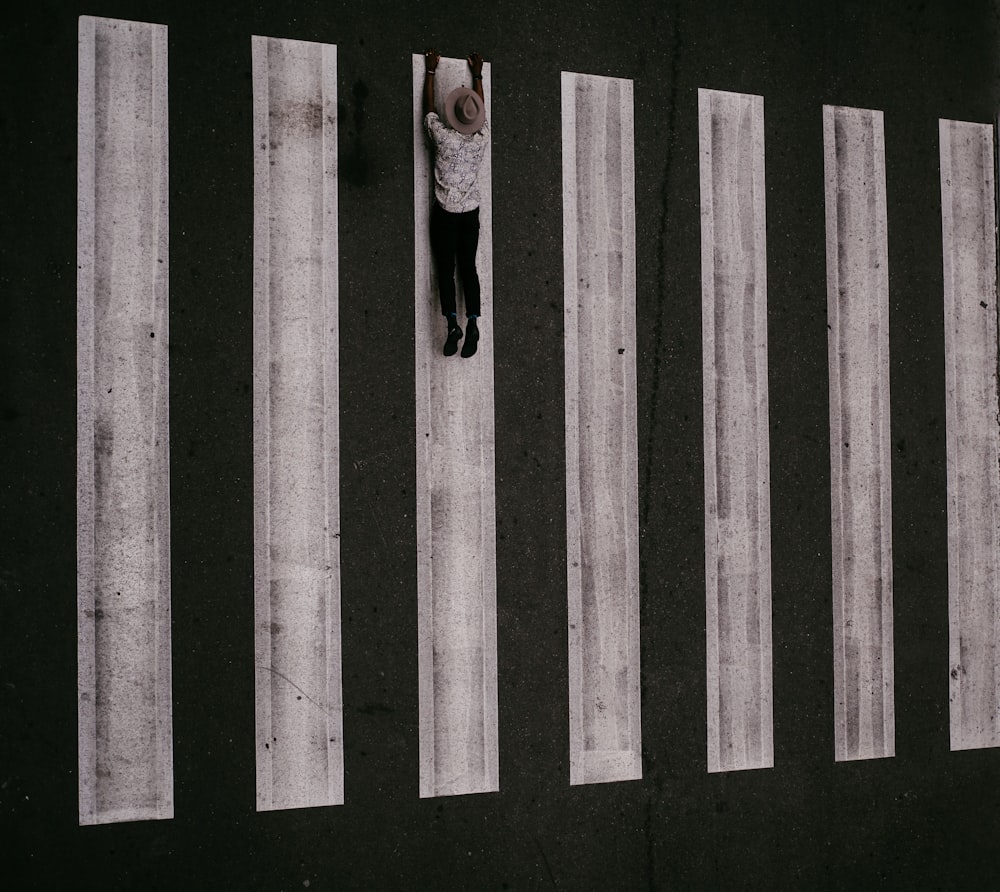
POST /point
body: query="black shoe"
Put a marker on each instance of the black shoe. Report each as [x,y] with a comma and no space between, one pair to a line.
[471,339]
[451,345]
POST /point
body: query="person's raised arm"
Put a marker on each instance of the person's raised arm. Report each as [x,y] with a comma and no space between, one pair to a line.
[431,59]
[476,64]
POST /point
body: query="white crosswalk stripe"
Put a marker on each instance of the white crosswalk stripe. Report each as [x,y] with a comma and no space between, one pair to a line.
[300,747]
[737,465]
[968,210]
[456,513]
[602,517]
[860,442]
[123,501]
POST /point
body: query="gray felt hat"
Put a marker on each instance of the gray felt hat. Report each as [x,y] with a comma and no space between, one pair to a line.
[464,110]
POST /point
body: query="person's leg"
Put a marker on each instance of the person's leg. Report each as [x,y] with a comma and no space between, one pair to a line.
[443,245]
[466,245]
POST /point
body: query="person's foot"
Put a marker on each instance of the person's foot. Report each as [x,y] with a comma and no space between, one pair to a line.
[451,344]
[471,338]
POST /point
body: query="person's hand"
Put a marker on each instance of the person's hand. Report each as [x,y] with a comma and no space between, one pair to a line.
[431,59]
[475,63]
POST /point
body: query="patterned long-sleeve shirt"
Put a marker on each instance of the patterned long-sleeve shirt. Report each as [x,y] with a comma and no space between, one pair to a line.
[457,158]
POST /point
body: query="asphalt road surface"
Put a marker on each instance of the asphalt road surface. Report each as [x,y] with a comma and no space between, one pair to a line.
[925,817]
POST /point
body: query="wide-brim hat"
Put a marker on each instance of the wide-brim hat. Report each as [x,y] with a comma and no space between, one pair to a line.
[465,110]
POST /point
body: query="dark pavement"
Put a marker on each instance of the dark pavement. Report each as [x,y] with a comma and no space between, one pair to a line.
[926,819]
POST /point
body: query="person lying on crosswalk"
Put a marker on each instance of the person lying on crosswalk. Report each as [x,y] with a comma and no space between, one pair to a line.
[459,144]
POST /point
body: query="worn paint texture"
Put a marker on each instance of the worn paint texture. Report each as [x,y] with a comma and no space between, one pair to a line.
[123,488]
[299,711]
[737,466]
[860,443]
[968,212]
[456,500]
[602,537]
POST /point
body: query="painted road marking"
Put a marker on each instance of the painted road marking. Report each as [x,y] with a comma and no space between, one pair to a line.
[737,464]
[857,276]
[300,747]
[123,478]
[602,518]
[456,498]
[968,216]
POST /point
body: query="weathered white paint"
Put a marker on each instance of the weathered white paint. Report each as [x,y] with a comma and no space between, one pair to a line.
[968,211]
[737,466]
[602,516]
[857,283]
[456,500]
[123,486]
[300,749]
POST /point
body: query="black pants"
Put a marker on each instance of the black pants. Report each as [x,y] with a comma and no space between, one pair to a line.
[454,240]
